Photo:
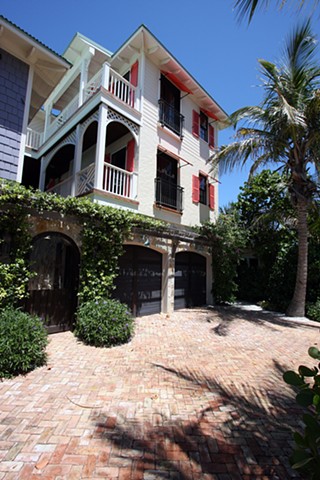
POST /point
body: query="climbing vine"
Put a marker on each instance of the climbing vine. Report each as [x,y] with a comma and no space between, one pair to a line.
[104,230]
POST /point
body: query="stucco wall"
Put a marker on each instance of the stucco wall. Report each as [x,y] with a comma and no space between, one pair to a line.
[13,86]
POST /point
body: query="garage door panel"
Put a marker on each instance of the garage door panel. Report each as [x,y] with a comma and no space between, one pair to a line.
[190,280]
[139,281]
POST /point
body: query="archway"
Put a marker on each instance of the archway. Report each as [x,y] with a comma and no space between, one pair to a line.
[190,280]
[59,169]
[53,290]
[140,279]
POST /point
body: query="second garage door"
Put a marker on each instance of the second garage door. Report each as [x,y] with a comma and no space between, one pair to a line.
[139,281]
[190,280]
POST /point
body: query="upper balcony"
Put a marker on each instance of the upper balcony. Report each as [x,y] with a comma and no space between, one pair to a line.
[106,81]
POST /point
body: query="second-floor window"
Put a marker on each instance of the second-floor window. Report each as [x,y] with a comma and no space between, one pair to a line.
[203,189]
[169,103]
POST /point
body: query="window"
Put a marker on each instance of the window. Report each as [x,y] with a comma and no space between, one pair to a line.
[203,189]
[167,191]
[169,106]
[203,126]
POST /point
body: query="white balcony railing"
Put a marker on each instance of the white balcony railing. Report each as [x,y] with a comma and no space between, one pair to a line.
[66,113]
[106,78]
[115,180]
[119,182]
[122,89]
[62,188]
[34,139]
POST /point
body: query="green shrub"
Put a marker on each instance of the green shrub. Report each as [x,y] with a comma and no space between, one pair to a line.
[313,311]
[306,455]
[103,323]
[23,340]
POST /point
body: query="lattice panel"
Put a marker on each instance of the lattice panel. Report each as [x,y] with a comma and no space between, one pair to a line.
[112,115]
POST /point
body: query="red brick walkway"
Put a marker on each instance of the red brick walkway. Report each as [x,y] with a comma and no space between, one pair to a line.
[198,395]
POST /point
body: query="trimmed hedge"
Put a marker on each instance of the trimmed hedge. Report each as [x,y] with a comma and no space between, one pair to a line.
[23,340]
[104,323]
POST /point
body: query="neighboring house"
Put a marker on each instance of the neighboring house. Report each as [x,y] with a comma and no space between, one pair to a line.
[133,129]
[29,71]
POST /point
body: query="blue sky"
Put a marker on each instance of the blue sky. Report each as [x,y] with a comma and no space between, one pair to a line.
[221,53]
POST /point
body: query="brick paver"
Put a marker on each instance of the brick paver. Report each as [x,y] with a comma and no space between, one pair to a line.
[194,396]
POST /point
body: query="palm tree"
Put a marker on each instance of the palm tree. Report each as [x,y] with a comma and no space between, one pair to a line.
[247,8]
[284,131]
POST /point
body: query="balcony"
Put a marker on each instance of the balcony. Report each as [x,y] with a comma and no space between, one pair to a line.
[107,78]
[34,139]
[168,195]
[170,117]
[116,181]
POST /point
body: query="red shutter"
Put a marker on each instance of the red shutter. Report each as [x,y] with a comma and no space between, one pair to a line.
[211,196]
[107,158]
[195,189]
[130,155]
[134,74]
[211,136]
[195,123]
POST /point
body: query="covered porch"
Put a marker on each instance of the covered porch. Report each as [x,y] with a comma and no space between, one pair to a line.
[100,155]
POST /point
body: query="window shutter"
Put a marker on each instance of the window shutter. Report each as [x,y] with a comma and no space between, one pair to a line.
[134,74]
[195,123]
[211,136]
[107,158]
[211,197]
[195,189]
[130,155]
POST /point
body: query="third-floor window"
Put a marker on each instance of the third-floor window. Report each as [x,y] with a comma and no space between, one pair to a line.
[169,103]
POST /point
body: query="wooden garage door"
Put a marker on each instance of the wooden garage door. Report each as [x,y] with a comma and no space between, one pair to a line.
[53,290]
[190,280]
[139,281]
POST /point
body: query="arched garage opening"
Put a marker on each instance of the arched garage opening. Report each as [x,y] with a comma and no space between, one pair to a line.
[190,280]
[140,280]
[53,290]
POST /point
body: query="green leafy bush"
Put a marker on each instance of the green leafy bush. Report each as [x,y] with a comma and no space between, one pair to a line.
[313,311]
[306,455]
[104,323]
[23,340]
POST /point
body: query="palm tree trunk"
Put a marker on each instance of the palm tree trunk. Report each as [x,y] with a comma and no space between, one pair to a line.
[298,302]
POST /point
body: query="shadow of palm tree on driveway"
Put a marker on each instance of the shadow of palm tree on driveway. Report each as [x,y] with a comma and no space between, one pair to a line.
[238,432]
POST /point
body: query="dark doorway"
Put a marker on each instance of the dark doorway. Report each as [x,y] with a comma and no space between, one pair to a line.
[190,280]
[139,281]
[53,290]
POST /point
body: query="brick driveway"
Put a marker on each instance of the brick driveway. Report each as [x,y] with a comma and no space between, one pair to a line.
[198,395]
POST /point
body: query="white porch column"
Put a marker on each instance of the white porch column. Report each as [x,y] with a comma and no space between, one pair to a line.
[47,109]
[84,69]
[101,146]
[76,161]
[105,76]
[25,124]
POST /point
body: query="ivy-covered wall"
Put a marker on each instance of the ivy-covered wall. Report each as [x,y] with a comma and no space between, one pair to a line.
[103,231]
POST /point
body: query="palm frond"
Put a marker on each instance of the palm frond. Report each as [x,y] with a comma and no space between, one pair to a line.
[247,8]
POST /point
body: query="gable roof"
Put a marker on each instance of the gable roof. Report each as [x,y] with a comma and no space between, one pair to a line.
[143,38]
